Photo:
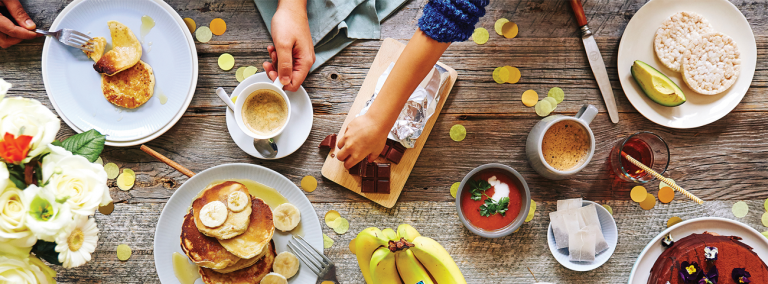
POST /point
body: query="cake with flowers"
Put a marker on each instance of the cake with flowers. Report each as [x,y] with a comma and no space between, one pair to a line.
[708,258]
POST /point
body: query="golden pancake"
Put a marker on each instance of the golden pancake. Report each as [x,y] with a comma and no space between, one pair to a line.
[202,250]
[130,88]
[97,44]
[242,263]
[235,224]
[250,275]
[258,234]
[126,50]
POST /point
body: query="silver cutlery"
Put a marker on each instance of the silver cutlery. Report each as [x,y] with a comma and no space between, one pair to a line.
[70,37]
[314,259]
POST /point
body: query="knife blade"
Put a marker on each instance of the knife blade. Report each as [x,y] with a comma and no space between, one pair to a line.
[596,61]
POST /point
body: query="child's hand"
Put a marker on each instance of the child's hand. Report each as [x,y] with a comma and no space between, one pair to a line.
[293,53]
[364,137]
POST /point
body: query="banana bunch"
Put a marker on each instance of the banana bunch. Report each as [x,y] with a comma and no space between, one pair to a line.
[389,257]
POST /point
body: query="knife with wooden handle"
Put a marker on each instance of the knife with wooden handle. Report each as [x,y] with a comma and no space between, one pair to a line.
[596,61]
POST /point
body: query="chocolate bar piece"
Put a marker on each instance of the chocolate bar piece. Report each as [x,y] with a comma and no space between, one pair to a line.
[383,171]
[355,170]
[382,186]
[370,170]
[363,167]
[394,151]
[385,150]
[394,155]
[329,142]
[398,146]
[369,185]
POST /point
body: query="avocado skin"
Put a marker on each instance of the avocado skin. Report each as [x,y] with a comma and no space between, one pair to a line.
[649,93]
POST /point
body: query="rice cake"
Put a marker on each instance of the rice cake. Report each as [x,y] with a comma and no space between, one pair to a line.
[130,88]
[711,64]
[674,35]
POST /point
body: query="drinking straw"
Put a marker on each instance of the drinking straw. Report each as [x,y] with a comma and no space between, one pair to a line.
[662,178]
[167,161]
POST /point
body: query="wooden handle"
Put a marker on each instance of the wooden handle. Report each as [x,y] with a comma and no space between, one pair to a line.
[578,11]
[167,161]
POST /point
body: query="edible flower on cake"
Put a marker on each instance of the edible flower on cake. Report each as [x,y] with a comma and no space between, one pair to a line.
[740,275]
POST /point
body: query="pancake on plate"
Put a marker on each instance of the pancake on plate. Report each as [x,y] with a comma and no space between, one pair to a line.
[125,52]
[235,224]
[130,88]
[202,250]
[98,44]
[252,274]
[242,263]
[258,234]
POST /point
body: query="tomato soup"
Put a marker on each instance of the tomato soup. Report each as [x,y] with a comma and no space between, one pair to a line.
[471,208]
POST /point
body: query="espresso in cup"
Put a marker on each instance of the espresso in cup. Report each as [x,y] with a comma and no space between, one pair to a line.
[265,112]
[566,145]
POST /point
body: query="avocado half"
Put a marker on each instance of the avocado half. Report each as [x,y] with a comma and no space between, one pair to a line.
[657,86]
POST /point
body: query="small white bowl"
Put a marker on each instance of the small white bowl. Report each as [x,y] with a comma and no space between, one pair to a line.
[610,232]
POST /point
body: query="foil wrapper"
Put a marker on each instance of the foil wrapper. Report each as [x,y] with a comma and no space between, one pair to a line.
[418,109]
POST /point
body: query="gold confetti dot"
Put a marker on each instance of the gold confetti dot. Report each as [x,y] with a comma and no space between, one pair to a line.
[500,23]
[107,209]
[638,194]
[514,74]
[123,252]
[674,220]
[455,188]
[649,202]
[530,98]
[309,183]
[509,30]
[191,25]
[740,209]
[331,216]
[480,36]
[458,132]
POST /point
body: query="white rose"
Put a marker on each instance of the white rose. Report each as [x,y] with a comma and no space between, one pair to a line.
[72,177]
[26,269]
[5,176]
[15,237]
[4,87]
[45,217]
[37,120]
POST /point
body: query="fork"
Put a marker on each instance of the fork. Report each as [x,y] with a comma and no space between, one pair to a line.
[70,37]
[314,259]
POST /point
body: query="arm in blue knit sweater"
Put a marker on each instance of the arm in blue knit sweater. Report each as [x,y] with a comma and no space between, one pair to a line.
[443,22]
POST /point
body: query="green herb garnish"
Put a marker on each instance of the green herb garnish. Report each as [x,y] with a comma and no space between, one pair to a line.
[477,188]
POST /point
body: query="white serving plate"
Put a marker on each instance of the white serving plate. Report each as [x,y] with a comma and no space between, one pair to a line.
[168,230]
[727,227]
[698,110]
[610,233]
[74,88]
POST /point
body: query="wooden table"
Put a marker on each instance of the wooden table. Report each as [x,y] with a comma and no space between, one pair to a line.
[722,162]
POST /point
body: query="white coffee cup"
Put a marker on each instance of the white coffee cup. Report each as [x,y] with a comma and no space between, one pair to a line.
[275,86]
[536,137]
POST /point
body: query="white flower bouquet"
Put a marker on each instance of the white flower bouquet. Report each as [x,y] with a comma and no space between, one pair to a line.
[49,191]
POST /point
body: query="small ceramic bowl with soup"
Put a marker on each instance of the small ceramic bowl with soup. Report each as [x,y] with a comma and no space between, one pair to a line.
[262,110]
[498,181]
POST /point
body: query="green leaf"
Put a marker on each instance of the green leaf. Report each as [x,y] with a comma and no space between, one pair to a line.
[88,144]
[17,175]
[46,250]
[56,143]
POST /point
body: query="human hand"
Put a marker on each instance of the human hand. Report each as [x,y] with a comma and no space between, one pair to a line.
[364,137]
[293,53]
[10,33]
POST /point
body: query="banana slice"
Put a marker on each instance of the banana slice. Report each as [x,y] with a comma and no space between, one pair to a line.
[286,264]
[286,217]
[237,201]
[273,278]
[213,214]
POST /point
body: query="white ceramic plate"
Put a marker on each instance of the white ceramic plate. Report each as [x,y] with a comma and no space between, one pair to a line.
[698,110]
[295,133]
[168,229]
[642,269]
[610,233]
[74,88]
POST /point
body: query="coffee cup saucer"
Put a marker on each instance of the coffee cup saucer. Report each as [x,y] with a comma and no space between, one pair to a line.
[295,133]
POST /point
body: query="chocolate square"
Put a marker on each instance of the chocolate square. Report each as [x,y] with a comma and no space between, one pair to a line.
[394,155]
[382,186]
[355,170]
[370,170]
[368,186]
[363,165]
[328,142]
[383,171]
[400,148]
[384,151]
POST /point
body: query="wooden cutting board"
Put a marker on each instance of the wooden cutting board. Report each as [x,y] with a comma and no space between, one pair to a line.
[334,170]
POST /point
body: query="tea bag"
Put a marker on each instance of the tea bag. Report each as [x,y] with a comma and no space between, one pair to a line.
[573,220]
[582,246]
[568,204]
[600,243]
[589,216]
[558,229]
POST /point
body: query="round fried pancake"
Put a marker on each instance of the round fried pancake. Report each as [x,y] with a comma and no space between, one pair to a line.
[130,88]
[243,263]
[252,274]
[202,250]
[98,44]
[258,234]
[125,52]
[235,224]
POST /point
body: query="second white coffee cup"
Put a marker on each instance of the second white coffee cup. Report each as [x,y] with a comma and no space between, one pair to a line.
[275,86]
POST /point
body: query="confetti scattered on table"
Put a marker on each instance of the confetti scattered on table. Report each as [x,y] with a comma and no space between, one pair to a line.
[239,74]
[191,25]
[674,220]
[112,170]
[234,99]
[531,212]
[480,36]
[500,23]
[649,202]
[509,29]
[352,246]
[99,161]
[543,108]
[638,194]
[740,209]
[556,93]
[249,71]
[455,188]
[666,194]
[514,74]
[309,183]
[123,252]
[764,219]
[203,34]
[765,234]
[458,132]
[340,225]
[500,75]
[663,184]
[765,205]
[552,101]
[226,61]
[107,209]
[126,180]
[530,98]
[327,241]
[608,207]
[218,26]
[331,216]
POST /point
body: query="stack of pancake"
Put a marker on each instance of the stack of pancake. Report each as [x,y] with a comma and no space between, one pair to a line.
[240,249]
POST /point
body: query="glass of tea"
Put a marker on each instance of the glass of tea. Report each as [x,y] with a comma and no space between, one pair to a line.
[646,147]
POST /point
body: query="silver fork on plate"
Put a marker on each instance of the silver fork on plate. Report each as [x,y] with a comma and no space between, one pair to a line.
[70,37]
[314,259]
